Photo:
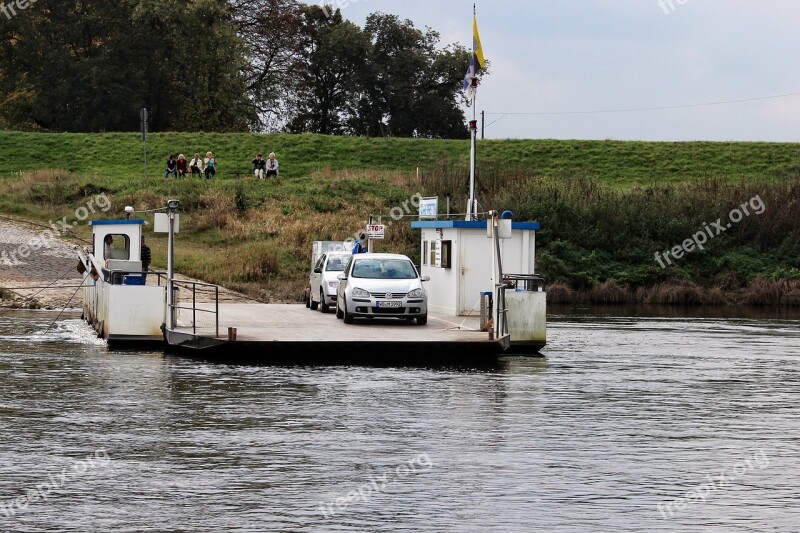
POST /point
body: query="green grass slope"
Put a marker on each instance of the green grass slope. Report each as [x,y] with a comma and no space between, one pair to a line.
[120,155]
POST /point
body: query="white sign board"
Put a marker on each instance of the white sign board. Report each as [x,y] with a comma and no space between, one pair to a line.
[429,208]
[161,223]
[376,231]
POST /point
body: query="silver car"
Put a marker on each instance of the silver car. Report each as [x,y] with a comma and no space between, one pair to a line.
[382,285]
[324,280]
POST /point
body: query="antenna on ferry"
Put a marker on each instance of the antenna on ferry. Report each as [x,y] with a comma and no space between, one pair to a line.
[172,208]
[477,62]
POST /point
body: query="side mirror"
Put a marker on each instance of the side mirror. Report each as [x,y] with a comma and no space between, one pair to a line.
[317,271]
[341,277]
[425,278]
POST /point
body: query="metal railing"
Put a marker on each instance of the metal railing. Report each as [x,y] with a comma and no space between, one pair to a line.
[112,276]
[193,308]
[524,282]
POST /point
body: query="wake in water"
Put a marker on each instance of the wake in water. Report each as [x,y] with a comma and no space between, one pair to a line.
[34,330]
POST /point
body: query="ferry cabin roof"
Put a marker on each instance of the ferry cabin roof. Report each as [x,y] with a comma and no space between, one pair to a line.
[126,239]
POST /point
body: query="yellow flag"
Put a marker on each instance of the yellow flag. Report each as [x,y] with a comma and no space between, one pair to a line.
[476,44]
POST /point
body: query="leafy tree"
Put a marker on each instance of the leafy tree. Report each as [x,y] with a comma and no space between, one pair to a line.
[328,73]
[55,53]
[71,65]
[271,32]
[415,86]
[194,64]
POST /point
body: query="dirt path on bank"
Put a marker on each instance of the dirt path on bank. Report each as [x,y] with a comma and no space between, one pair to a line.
[55,266]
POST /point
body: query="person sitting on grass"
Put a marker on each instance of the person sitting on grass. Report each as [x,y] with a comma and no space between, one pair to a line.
[272,166]
[210,163]
[196,165]
[172,166]
[182,169]
[259,166]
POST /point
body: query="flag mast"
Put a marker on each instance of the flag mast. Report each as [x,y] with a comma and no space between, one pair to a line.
[472,208]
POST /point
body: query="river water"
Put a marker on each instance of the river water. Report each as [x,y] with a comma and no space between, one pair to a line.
[628,424]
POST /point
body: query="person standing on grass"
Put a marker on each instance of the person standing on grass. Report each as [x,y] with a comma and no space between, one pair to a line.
[259,166]
[182,169]
[196,165]
[147,257]
[210,163]
[272,166]
[172,166]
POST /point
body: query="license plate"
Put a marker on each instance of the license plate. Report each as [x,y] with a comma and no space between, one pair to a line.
[386,305]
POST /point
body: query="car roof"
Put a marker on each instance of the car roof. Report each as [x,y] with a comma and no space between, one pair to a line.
[382,256]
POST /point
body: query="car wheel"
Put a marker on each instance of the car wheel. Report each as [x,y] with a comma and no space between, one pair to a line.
[347,318]
[339,313]
[322,305]
[422,320]
[308,300]
[314,304]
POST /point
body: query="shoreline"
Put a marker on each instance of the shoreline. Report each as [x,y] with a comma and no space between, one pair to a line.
[44,266]
[54,267]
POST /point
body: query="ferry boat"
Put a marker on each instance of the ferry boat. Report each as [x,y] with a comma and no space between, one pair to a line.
[477,309]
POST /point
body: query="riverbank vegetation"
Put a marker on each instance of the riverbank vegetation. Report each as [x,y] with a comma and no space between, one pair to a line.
[606,207]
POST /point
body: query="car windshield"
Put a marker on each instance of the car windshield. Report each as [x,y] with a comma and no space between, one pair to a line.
[335,264]
[384,269]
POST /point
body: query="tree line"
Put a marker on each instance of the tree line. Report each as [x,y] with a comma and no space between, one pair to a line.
[225,66]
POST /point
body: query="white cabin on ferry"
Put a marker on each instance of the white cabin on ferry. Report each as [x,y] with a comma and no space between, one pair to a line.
[117,300]
[460,259]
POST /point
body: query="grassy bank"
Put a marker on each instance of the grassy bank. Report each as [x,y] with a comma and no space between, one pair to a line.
[606,207]
[120,156]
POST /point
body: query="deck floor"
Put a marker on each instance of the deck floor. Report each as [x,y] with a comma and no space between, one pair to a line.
[296,323]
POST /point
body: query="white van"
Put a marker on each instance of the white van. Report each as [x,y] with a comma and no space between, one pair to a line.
[324,280]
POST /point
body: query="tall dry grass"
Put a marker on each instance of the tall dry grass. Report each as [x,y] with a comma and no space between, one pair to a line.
[760,292]
[405,179]
[46,186]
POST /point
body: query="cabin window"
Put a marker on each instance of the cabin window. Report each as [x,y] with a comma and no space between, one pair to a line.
[425,247]
[446,254]
[441,253]
[116,246]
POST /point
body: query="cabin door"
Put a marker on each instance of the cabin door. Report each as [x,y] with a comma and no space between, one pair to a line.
[476,270]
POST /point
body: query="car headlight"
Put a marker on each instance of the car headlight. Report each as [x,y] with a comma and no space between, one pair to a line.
[333,284]
[416,293]
[360,293]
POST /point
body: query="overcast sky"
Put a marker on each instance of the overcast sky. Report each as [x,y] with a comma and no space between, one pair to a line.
[591,55]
